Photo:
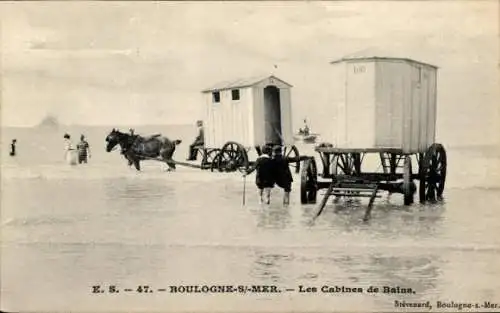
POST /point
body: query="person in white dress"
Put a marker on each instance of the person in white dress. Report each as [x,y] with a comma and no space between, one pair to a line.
[70,152]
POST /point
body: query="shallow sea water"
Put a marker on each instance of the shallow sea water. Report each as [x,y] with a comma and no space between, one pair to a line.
[65,229]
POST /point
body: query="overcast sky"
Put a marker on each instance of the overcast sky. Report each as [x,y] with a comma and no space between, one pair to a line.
[146,63]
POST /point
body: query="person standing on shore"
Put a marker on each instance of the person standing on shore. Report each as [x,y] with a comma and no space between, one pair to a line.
[13,147]
[83,148]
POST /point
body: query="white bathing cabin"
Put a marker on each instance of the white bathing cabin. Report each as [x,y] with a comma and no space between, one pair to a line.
[382,102]
[253,112]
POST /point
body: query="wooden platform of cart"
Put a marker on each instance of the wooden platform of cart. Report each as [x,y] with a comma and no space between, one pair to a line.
[328,149]
[209,165]
[342,174]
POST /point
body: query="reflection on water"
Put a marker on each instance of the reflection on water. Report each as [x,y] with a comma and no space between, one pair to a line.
[269,267]
[388,220]
[64,229]
[133,189]
[416,271]
[274,216]
[138,194]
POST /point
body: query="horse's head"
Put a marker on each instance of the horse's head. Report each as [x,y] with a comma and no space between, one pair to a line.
[112,139]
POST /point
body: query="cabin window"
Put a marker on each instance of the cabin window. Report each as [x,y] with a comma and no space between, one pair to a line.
[235,94]
[216,97]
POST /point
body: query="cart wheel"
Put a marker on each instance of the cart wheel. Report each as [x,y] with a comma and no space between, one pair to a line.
[432,173]
[293,152]
[232,157]
[208,157]
[408,186]
[202,153]
[308,182]
[220,161]
[343,164]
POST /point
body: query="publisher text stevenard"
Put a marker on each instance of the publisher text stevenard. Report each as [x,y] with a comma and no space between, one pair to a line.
[444,305]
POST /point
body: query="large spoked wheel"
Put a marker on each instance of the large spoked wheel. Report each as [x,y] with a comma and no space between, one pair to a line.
[343,164]
[432,173]
[231,157]
[308,182]
[220,161]
[408,186]
[293,153]
[207,157]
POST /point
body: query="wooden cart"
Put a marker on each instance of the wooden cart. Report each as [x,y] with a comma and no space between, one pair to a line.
[382,107]
[241,116]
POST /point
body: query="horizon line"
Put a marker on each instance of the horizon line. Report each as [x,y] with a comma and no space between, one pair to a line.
[91,125]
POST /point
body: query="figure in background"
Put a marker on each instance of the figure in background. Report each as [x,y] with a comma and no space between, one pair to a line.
[131,130]
[198,142]
[83,148]
[305,130]
[70,153]
[264,178]
[282,174]
[13,147]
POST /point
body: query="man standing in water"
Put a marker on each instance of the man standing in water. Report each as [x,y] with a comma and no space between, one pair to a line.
[13,147]
[199,141]
[282,175]
[264,179]
[83,148]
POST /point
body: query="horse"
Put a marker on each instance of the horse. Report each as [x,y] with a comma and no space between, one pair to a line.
[137,148]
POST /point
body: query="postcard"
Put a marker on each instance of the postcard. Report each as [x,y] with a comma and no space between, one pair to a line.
[260,156]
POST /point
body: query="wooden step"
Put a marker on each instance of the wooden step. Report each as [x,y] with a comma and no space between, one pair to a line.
[354,189]
[353,195]
[357,190]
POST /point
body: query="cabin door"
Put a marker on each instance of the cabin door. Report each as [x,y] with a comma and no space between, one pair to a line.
[272,115]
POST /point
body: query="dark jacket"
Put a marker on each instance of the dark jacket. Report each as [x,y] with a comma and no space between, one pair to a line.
[264,177]
[282,173]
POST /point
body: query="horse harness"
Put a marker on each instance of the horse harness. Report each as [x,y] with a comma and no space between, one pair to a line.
[138,144]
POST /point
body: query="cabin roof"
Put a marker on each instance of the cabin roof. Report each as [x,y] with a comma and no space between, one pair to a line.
[376,54]
[242,82]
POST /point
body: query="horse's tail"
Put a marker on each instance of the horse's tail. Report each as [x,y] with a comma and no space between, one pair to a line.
[177,142]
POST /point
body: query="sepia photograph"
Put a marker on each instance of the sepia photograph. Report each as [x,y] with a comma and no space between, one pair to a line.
[249,156]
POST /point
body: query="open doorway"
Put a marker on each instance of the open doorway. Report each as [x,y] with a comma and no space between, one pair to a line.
[272,115]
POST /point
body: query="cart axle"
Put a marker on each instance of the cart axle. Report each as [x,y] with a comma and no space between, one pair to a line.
[359,185]
[340,194]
